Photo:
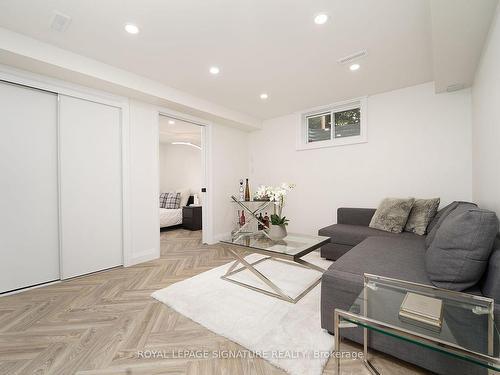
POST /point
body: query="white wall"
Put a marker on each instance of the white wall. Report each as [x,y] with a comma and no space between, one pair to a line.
[229,160]
[486,123]
[145,238]
[418,145]
[180,168]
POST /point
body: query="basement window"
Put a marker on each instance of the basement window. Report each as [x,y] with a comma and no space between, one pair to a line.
[336,125]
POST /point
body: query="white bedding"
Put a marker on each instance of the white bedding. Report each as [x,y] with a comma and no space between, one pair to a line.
[169,217]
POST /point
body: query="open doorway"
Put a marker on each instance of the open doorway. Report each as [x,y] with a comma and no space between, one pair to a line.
[181,175]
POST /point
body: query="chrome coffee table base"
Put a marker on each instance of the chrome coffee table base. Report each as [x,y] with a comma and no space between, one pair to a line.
[277,292]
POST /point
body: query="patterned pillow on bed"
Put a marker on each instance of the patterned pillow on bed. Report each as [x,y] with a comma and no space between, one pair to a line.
[173,200]
[163,200]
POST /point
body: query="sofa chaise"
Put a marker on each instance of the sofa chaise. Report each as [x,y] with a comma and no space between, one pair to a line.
[357,249]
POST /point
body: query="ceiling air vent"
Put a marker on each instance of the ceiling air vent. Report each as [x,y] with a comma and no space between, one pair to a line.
[455,87]
[353,57]
[60,22]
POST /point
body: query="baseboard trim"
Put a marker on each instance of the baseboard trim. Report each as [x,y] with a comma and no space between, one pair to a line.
[219,237]
[20,290]
[143,256]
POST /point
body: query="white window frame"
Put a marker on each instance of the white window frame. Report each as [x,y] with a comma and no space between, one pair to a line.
[302,130]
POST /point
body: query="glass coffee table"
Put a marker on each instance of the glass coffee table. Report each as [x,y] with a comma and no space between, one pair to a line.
[290,250]
[468,331]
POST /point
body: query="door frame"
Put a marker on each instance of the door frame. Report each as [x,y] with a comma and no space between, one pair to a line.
[206,157]
[60,87]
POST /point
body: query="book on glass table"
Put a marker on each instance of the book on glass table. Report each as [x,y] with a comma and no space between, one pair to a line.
[423,311]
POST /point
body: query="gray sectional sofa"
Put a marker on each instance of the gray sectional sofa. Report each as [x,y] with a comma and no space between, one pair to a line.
[357,249]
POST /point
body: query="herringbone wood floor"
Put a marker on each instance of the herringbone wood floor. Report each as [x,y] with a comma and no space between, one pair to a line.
[96,324]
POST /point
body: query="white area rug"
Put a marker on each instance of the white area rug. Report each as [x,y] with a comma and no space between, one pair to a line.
[288,335]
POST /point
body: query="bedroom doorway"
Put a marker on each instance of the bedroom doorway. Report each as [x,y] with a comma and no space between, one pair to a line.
[182,175]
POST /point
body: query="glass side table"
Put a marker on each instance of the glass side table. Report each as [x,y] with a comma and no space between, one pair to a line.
[468,330]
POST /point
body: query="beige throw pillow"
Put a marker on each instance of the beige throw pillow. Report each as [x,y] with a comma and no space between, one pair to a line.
[392,214]
[422,212]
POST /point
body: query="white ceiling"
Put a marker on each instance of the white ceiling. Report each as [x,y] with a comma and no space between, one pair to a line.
[259,45]
[458,38]
[179,131]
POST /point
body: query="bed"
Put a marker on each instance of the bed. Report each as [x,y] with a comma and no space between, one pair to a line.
[170,217]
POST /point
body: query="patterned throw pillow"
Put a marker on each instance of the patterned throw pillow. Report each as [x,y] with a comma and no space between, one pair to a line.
[422,212]
[173,200]
[163,200]
[392,214]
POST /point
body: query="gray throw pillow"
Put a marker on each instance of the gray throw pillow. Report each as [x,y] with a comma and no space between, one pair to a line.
[421,214]
[392,214]
[458,255]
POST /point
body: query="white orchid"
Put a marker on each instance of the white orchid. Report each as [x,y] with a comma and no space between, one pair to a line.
[275,194]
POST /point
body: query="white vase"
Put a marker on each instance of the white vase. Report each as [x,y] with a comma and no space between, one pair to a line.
[277,232]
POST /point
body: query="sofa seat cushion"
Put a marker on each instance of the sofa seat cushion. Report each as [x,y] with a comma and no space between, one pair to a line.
[398,257]
[394,257]
[352,235]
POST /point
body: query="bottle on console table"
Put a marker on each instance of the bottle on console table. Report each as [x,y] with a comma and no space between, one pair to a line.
[247,191]
[242,218]
[242,192]
[266,220]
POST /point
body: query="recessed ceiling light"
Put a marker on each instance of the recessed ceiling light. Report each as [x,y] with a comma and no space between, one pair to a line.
[320,19]
[214,70]
[354,67]
[264,96]
[171,122]
[131,28]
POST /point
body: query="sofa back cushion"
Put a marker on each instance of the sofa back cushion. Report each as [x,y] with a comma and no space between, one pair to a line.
[490,284]
[441,215]
[458,255]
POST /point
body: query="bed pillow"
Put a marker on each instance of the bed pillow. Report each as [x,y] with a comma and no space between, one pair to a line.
[392,214]
[173,201]
[421,214]
[163,200]
[185,193]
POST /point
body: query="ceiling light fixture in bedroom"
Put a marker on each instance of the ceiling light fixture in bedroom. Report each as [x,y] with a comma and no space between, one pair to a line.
[131,28]
[321,19]
[187,144]
[171,122]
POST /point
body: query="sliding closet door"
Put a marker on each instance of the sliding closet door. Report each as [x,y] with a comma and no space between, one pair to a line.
[29,243]
[91,186]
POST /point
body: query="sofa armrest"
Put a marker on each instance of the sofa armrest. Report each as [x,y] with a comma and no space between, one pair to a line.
[355,216]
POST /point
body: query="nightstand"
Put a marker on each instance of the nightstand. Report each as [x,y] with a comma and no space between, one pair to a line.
[191,217]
